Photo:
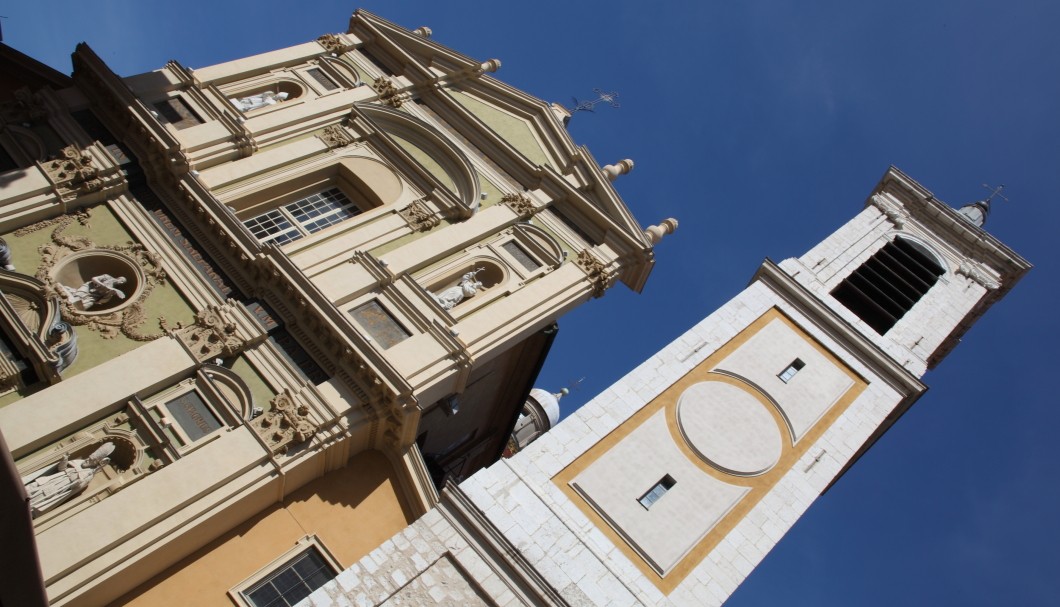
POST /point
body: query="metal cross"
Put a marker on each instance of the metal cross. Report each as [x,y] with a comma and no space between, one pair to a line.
[995,192]
[587,106]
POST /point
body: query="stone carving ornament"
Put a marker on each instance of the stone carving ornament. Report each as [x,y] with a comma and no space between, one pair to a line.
[599,277]
[388,93]
[211,336]
[419,216]
[72,172]
[126,320]
[286,424]
[520,204]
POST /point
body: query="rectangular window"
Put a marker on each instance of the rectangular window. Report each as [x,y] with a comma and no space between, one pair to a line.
[380,325]
[322,79]
[292,582]
[657,491]
[520,255]
[175,111]
[192,415]
[788,373]
[302,217]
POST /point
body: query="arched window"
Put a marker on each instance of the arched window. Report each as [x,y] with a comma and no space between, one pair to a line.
[889,283]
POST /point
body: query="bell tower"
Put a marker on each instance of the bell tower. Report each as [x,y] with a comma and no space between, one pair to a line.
[673,484]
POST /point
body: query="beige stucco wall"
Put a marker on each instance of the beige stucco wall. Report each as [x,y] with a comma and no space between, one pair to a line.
[351,511]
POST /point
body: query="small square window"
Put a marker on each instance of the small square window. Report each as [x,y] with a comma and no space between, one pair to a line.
[657,491]
[292,582]
[380,324]
[788,373]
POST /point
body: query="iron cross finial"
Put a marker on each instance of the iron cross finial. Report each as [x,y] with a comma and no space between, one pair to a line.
[995,192]
[587,106]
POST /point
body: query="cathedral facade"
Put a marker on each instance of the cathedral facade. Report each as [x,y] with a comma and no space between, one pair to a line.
[256,313]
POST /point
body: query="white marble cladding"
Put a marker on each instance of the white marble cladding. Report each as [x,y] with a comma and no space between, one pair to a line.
[574,557]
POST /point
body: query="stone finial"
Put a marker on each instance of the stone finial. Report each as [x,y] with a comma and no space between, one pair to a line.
[423,32]
[655,233]
[621,168]
[490,66]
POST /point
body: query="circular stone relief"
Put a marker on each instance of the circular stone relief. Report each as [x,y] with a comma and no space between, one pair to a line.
[99,281]
[729,428]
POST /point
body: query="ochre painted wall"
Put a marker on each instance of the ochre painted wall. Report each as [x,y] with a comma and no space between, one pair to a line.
[351,511]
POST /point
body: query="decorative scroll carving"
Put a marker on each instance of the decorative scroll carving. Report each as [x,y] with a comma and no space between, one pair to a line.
[332,43]
[211,336]
[975,273]
[894,213]
[286,424]
[146,266]
[72,173]
[388,93]
[597,272]
[520,204]
[335,136]
[25,107]
[419,216]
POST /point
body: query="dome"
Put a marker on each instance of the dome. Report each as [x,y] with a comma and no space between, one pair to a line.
[549,403]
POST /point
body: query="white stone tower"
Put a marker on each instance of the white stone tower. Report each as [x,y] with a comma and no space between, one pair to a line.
[671,485]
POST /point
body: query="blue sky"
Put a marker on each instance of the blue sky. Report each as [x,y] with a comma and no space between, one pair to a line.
[762,126]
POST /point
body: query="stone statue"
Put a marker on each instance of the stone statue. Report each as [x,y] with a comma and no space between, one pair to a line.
[51,486]
[253,102]
[467,287]
[98,291]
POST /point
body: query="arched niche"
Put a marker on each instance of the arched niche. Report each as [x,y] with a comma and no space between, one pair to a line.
[345,70]
[231,389]
[277,85]
[490,275]
[541,242]
[451,160]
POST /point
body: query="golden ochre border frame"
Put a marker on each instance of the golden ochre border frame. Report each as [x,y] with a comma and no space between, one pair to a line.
[759,485]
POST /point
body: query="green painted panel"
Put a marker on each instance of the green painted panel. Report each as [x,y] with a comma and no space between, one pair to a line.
[515,131]
[103,228]
[428,163]
[260,390]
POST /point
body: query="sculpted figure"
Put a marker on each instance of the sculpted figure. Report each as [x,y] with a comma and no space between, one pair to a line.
[54,485]
[467,287]
[253,102]
[98,291]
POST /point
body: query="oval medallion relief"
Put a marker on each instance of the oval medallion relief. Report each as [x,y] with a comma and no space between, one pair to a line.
[729,428]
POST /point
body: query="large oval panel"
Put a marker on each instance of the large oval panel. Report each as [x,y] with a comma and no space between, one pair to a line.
[729,428]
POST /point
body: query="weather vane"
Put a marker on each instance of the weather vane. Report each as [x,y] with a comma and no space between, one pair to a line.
[587,106]
[995,192]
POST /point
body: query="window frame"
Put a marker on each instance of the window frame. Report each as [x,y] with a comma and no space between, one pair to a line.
[239,593]
[299,226]
[657,491]
[791,370]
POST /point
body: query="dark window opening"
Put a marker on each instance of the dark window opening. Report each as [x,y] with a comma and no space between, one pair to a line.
[292,582]
[889,284]
[176,112]
[657,491]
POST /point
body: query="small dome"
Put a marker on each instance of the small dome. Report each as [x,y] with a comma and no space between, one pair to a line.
[549,403]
